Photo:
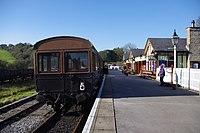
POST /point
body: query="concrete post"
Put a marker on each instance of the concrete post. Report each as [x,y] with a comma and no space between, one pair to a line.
[174,71]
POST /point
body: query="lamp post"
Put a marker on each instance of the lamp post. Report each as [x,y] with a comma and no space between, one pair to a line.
[175,40]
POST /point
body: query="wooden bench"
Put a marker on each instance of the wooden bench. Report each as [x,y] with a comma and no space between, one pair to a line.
[146,73]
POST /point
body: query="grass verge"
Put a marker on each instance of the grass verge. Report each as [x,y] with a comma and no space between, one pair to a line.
[13,92]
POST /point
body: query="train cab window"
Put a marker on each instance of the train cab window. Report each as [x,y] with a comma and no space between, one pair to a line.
[48,62]
[76,61]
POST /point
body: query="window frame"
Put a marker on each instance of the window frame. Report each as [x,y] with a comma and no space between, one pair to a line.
[66,62]
[49,67]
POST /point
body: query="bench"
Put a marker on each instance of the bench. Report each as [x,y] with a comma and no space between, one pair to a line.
[146,73]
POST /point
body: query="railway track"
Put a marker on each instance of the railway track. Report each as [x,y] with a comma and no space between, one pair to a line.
[66,122]
[28,120]
[16,110]
[31,116]
[16,104]
[18,113]
[23,115]
[36,118]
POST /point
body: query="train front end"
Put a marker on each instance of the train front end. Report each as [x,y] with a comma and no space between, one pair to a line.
[63,73]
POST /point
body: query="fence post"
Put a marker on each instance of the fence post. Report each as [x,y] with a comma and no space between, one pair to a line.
[199,87]
[189,79]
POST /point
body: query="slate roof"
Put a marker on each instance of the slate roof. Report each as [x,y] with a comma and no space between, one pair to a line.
[165,44]
[137,52]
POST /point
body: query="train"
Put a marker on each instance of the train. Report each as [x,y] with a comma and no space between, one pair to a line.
[7,75]
[68,70]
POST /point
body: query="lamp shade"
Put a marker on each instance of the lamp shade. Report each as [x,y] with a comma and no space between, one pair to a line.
[175,38]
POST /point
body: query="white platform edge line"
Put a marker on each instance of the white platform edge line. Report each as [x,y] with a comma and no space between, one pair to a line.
[91,116]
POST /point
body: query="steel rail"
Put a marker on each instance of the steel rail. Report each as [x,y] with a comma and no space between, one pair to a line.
[19,115]
[47,124]
[16,104]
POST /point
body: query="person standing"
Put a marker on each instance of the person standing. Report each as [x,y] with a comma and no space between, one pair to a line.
[161,74]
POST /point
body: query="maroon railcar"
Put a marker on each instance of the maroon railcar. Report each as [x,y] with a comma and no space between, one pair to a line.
[67,70]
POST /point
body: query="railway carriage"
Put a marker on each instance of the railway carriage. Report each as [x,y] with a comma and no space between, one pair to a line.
[67,70]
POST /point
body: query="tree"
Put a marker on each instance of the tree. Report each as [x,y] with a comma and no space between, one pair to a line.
[108,55]
[198,22]
[4,47]
[112,55]
[119,52]
[127,47]
[23,53]
[103,54]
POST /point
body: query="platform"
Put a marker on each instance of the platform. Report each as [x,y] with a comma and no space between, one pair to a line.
[101,118]
[132,104]
[105,120]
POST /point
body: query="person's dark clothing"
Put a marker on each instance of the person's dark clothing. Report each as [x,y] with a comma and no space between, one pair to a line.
[161,74]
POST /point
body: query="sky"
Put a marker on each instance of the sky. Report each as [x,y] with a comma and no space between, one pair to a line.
[106,23]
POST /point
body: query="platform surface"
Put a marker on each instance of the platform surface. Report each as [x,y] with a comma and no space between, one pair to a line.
[130,104]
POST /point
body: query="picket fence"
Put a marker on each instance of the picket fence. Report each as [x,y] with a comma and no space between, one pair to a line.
[186,77]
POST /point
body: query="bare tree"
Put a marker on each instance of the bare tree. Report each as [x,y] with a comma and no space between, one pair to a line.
[198,22]
[127,47]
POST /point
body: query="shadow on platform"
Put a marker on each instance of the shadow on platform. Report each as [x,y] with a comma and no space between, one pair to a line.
[117,85]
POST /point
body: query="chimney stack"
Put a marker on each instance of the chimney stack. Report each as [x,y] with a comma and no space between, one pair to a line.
[193,44]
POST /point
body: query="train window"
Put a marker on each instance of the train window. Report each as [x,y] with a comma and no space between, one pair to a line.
[76,61]
[48,62]
[54,62]
[44,63]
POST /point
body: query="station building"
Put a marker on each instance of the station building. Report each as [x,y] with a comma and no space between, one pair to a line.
[159,51]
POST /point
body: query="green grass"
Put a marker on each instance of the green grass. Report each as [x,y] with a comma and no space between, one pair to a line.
[7,57]
[13,92]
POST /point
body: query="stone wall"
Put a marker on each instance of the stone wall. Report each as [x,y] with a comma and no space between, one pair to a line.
[193,45]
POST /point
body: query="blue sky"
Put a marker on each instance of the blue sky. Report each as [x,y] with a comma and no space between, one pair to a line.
[106,23]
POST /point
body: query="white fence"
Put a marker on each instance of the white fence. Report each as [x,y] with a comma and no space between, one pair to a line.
[186,77]
[189,78]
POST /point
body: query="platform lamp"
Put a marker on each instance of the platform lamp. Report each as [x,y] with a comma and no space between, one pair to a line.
[175,40]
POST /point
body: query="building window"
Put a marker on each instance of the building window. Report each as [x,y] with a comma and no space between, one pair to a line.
[48,62]
[162,57]
[181,60]
[184,61]
[196,65]
[76,61]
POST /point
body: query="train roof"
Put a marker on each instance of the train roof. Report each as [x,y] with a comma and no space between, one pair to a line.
[63,42]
